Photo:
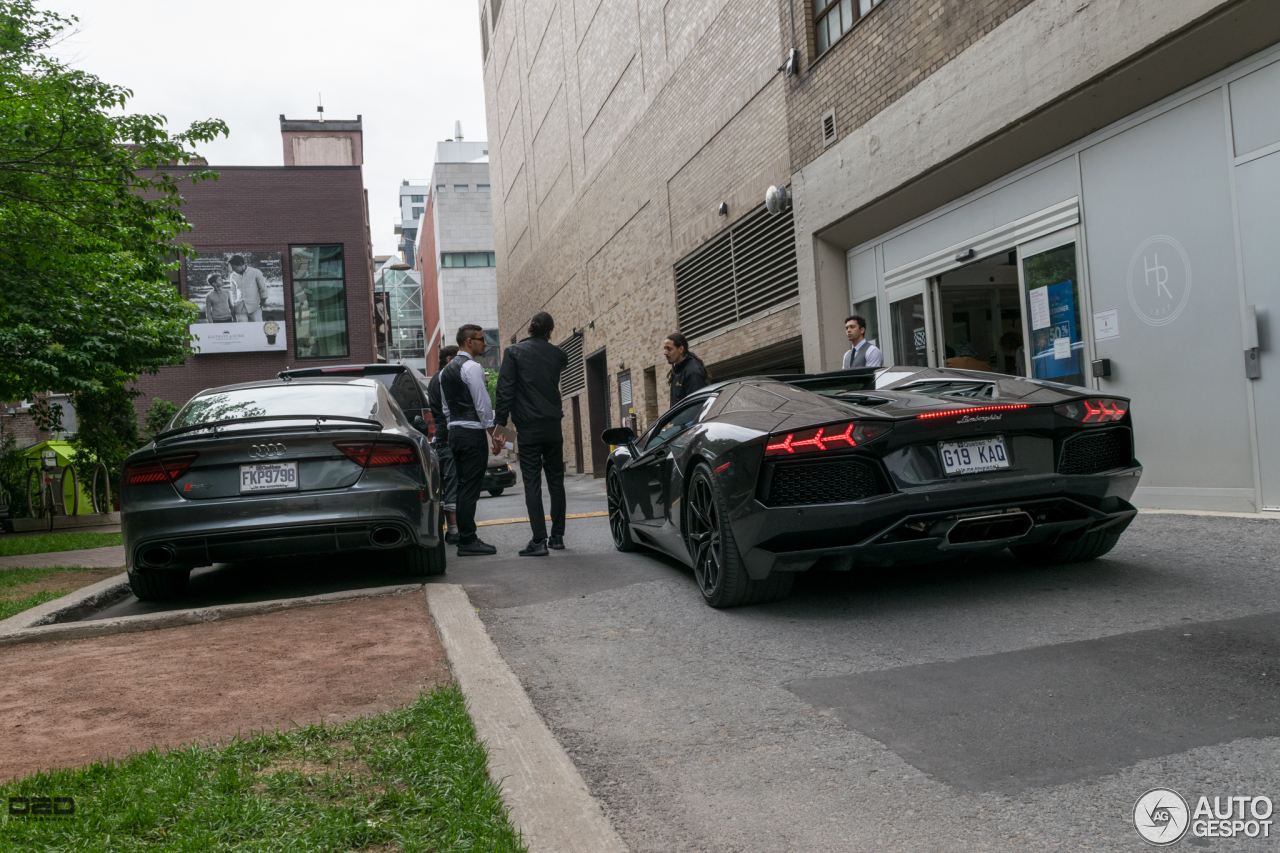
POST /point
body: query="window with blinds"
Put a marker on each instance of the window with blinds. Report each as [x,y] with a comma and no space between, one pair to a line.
[574,378]
[748,269]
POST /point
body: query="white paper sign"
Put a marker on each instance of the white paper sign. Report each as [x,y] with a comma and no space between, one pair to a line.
[1061,348]
[212,338]
[1106,325]
[1040,308]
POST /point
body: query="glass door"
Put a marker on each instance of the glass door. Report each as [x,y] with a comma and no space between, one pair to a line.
[909,323]
[978,310]
[1055,347]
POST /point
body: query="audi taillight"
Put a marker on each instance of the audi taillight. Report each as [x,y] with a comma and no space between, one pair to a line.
[378,454]
[164,469]
[1094,410]
[824,438]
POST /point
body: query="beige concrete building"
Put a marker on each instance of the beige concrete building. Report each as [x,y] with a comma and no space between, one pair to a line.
[631,145]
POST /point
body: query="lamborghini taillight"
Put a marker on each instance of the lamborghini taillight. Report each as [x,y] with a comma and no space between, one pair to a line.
[824,438]
[1094,410]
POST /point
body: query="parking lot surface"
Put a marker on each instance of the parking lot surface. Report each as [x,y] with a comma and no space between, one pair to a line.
[985,707]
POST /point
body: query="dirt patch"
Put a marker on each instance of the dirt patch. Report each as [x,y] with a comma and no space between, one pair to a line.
[58,582]
[72,702]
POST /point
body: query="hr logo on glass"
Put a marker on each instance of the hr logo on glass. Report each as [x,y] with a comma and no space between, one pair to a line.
[1159,280]
[1161,816]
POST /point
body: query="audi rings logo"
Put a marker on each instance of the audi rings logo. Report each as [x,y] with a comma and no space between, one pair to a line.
[264,451]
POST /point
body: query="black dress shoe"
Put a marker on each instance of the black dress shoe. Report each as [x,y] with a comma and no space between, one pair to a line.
[556,543]
[451,539]
[535,548]
[475,548]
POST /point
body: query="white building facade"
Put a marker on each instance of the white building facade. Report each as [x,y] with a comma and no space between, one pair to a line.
[1098,217]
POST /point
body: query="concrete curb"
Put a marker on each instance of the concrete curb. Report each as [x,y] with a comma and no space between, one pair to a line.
[194,616]
[548,800]
[1271,516]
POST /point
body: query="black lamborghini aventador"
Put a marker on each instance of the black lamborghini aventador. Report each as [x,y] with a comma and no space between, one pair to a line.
[753,480]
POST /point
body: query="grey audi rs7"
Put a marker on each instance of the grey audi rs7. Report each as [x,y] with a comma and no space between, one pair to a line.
[753,480]
[278,469]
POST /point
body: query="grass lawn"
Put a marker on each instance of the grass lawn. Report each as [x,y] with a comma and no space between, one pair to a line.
[408,780]
[13,546]
[22,589]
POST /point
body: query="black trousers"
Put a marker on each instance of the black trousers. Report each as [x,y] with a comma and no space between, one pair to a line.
[470,456]
[542,449]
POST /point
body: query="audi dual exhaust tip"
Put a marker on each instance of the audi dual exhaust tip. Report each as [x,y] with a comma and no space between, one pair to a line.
[158,557]
[386,537]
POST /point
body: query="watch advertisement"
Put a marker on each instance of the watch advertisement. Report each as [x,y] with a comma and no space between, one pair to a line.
[240,296]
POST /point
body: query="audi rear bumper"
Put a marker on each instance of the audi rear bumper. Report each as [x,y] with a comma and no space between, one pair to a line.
[190,534]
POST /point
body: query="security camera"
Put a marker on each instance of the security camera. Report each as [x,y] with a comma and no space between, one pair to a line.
[792,65]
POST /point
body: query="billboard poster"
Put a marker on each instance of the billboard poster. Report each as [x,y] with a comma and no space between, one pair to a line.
[1057,343]
[241,300]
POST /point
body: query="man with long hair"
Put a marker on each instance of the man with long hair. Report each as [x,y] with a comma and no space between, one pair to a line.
[529,392]
[688,373]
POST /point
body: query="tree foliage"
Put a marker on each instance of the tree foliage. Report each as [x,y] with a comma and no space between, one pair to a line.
[89,227]
[106,430]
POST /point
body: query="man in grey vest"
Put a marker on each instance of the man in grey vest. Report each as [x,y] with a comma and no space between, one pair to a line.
[862,352]
[470,416]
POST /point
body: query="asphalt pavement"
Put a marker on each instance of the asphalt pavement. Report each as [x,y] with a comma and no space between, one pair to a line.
[985,707]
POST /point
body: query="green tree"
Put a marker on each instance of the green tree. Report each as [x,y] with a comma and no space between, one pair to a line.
[157,417]
[106,430]
[89,222]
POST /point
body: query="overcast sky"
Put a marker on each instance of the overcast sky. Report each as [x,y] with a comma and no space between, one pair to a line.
[410,68]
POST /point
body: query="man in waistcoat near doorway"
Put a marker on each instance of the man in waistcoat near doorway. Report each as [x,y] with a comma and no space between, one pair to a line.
[862,352]
[470,416]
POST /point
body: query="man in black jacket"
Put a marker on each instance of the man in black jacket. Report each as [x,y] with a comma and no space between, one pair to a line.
[529,392]
[448,471]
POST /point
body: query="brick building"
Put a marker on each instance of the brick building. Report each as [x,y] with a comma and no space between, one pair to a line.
[1076,190]
[306,223]
[631,145]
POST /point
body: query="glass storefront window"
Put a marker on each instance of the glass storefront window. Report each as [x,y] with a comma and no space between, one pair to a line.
[910,332]
[867,309]
[1056,347]
[319,301]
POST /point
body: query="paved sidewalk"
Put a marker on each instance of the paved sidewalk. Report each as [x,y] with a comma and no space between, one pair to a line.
[91,558]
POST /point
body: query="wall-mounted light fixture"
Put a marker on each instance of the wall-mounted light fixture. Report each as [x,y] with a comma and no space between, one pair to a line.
[723,210]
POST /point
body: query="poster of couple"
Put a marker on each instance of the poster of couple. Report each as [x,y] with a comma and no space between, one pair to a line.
[240,296]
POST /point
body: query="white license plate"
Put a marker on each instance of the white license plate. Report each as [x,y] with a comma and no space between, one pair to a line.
[972,457]
[268,477]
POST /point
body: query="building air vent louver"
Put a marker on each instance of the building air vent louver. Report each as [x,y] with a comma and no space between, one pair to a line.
[744,271]
[574,378]
[828,127]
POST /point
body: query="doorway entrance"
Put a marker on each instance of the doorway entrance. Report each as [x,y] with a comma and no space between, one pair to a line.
[979,317]
[597,369]
[1018,312]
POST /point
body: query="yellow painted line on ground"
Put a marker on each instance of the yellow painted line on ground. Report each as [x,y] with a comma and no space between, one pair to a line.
[526,520]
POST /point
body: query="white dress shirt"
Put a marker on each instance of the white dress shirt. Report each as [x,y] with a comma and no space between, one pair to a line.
[473,376]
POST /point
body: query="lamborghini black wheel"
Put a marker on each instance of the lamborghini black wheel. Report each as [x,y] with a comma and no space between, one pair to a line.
[619,524]
[717,566]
